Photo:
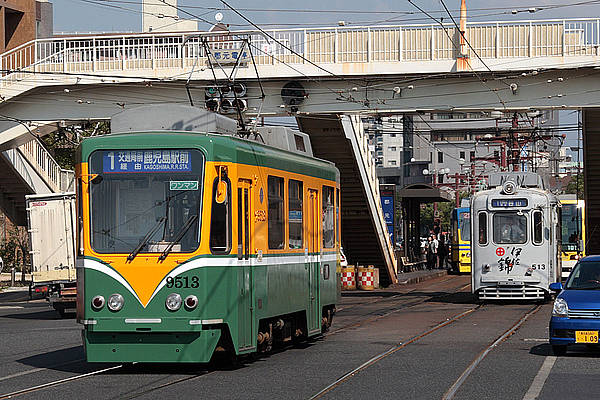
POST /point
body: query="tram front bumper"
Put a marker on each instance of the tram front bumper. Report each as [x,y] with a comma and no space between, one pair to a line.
[151,347]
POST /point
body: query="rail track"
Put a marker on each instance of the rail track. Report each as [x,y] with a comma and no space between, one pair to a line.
[362,319]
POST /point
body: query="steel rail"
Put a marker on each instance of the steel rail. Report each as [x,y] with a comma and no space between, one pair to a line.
[463,377]
[56,383]
[392,350]
[400,308]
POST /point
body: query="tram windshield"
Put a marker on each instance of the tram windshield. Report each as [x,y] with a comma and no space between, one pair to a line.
[571,227]
[585,276]
[465,226]
[145,200]
[510,228]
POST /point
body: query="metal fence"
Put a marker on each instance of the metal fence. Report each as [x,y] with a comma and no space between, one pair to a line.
[536,38]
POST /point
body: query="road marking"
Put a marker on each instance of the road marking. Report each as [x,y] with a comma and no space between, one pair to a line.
[541,340]
[11,307]
[538,382]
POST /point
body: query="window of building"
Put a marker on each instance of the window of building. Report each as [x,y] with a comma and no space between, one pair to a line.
[328,217]
[392,162]
[472,156]
[440,157]
[461,155]
[295,193]
[275,212]
[392,148]
[380,152]
[440,178]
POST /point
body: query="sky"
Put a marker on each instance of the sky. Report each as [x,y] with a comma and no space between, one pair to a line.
[125,15]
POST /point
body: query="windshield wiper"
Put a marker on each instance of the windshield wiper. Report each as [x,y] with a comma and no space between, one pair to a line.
[178,237]
[145,240]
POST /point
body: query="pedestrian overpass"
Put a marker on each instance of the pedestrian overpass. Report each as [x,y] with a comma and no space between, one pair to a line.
[332,76]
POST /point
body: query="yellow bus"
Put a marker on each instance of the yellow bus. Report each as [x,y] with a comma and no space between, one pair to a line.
[573,232]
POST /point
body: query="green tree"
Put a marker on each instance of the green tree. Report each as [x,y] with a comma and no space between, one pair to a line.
[62,144]
[575,185]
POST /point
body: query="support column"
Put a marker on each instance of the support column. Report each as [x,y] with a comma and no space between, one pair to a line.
[591,175]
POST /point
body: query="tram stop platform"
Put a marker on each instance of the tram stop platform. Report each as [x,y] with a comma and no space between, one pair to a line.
[410,278]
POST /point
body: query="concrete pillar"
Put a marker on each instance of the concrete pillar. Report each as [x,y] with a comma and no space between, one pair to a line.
[591,175]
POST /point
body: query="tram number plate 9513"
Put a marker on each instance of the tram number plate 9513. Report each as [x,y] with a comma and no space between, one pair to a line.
[183,282]
[586,336]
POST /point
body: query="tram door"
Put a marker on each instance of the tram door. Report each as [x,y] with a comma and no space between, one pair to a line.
[245,310]
[313,265]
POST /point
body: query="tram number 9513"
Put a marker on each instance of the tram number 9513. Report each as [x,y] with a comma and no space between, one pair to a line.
[183,282]
[538,266]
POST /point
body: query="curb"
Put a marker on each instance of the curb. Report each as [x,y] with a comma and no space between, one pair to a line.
[421,278]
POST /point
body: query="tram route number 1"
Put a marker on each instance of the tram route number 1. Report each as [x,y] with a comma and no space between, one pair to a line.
[183,282]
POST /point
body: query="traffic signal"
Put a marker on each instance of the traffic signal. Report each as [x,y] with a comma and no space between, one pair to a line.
[226,98]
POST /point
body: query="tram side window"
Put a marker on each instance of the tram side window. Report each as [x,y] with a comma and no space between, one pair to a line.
[220,221]
[295,213]
[510,228]
[337,216]
[537,227]
[328,217]
[276,209]
[482,227]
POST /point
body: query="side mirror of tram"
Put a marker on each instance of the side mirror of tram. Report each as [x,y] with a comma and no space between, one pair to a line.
[221,194]
[556,286]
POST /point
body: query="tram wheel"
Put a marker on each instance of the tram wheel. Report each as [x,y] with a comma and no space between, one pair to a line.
[559,350]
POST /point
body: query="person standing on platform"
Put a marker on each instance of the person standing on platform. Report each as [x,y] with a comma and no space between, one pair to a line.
[442,251]
[428,249]
[434,250]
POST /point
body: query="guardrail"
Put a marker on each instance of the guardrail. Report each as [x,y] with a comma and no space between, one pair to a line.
[57,178]
[535,38]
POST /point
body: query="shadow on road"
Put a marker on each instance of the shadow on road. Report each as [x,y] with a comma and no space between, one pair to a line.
[47,314]
[576,350]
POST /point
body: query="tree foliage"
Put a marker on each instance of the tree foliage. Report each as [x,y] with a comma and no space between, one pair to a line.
[576,186]
[62,144]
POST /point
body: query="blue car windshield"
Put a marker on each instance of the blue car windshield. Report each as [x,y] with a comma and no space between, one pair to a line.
[585,276]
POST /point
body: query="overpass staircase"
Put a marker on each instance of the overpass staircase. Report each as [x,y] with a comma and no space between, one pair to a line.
[29,169]
[343,140]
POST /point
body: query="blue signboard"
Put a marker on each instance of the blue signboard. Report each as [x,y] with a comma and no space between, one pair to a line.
[387,206]
[295,216]
[146,161]
[509,203]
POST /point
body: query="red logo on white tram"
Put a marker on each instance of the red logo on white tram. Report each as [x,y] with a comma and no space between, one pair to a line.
[499,251]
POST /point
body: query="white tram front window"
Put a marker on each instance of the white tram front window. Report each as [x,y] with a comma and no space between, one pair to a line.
[145,200]
[510,228]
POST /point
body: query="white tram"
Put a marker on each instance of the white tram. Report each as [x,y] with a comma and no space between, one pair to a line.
[515,238]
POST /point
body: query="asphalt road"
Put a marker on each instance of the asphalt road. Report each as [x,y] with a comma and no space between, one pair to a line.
[413,342]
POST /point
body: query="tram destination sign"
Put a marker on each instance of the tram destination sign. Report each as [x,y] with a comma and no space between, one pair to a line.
[146,161]
[507,203]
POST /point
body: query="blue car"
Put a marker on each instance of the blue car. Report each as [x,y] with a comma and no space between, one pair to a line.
[576,310]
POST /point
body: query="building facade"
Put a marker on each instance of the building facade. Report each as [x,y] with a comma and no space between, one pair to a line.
[24,20]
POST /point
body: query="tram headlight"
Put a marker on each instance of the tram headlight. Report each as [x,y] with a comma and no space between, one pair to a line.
[173,302]
[115,302]
[560,309]
[97,302]
[191,302]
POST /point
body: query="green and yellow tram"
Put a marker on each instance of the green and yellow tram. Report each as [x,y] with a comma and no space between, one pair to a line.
[191,243]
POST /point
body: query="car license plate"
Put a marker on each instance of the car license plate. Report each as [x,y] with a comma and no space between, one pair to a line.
[586,336]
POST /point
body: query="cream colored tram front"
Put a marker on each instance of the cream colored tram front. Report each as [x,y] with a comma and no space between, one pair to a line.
[515,240]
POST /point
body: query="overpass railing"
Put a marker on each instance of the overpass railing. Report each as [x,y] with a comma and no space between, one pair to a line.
[80,54]
[57,178]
